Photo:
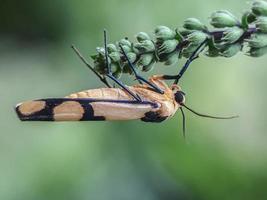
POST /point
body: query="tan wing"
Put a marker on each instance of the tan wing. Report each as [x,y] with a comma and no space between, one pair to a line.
[83,109]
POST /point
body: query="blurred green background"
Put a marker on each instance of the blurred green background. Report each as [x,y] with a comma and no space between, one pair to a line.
[125,160]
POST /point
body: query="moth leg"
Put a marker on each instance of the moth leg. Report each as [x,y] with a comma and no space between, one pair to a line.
[110,75]
[194,56]
[102,78]
[138,77]
[158,81]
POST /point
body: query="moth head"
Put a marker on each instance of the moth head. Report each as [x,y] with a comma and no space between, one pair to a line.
[179,95]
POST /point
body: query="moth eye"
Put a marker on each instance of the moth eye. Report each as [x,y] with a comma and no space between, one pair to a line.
[179,97]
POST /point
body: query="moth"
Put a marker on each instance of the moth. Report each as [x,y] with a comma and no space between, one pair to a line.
[108,104]
[151,100]
[111,104]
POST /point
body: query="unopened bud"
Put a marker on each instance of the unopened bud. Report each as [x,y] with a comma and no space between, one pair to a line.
[164,33]
[145,46]
[231,35]
[115,56]
[194,24]
[126,48]
[189,50]
[116,70]
[259,8]
[146,59]
[223,18]
[142,36]
[257,52]
[125,42]
[167,46]
[197,37]
[261,24]
[172,59]
[100,50]
[257,40]
[231,50]
[131,56]
[111,48]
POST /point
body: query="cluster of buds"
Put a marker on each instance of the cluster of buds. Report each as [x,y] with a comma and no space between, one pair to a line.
[230,36]
[258,17]
[166,44]
[141,54]
[230,42]
[193,34]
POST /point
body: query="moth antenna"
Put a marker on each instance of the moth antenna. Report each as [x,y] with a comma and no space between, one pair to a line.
[208,116]
[184,122]
[106,51]
[103,79]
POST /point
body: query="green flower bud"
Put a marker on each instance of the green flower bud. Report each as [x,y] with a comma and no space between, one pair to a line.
[261,24]
[259,8]
[142,36]
[194,24]
[184,32]
[164,33]
[187,51]
[116,70]
[125,42]
[222,19]
[111,48]
[115,56]
[257,40]
[231,35]
[172,59]
[197,37]
[167,46]
[257,52]
[100,50]
[126,48]
[231,50]
[131,56]
[145,59]
[149,66]
[145,46]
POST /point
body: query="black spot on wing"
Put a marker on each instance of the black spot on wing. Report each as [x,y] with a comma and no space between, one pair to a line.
[45,114]
[153,117]
[89,113]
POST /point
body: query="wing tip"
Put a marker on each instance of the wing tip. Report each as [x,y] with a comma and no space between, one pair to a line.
[33,111]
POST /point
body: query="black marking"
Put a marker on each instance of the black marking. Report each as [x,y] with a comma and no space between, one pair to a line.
[47,114]
[89,114]
[153,117]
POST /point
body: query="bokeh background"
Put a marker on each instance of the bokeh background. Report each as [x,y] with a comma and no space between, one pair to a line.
[126,160]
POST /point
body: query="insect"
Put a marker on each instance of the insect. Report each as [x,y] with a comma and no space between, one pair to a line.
[150,101]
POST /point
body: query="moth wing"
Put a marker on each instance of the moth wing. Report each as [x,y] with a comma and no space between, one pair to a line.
[83,109]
